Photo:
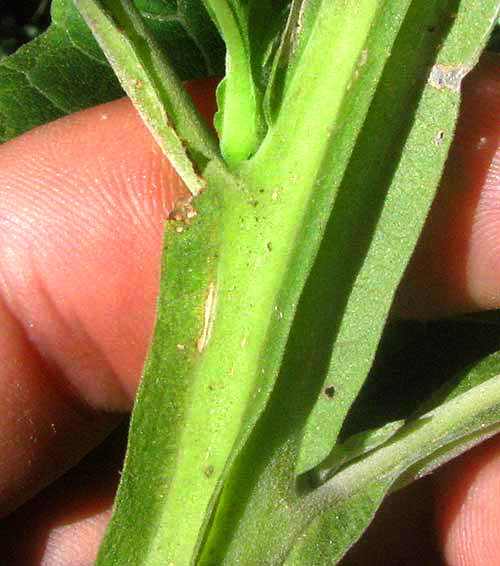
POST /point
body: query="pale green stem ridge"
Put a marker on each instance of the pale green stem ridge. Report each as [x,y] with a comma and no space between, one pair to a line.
[312,100]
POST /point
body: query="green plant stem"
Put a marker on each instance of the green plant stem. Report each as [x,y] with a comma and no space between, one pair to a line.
[314,98]
[235,277]
[228,380]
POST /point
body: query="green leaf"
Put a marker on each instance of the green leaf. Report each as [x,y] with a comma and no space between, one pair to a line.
[63,70]
[355,446]
[299,26]
[183,30]
[361,443]
[464,382]
[410,183]
[409,350]
[330,535]
[43,81]
[351,497]
[249,29]
[149,79]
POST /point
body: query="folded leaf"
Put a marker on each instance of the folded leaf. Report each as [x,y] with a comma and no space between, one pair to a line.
[250,30]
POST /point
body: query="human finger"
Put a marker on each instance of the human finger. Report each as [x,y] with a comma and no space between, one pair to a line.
[83,202]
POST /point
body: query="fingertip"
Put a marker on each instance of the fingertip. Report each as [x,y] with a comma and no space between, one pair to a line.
[65,523]
[83,203]
[468,507]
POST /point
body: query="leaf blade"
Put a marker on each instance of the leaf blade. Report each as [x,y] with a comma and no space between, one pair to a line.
[248,29]
[68,50]
[153,86]
[419,170]
[460,418]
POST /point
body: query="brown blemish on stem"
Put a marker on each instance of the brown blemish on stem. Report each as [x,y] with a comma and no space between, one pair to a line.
[183,210]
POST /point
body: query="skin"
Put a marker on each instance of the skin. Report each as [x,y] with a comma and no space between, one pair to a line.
[82,205]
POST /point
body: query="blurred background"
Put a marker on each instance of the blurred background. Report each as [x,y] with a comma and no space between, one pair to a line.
[20,22]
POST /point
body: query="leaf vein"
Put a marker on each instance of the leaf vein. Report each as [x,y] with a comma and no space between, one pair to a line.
[37,87]
[80,49]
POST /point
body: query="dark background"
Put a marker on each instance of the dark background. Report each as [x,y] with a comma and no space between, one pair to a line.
[21,21]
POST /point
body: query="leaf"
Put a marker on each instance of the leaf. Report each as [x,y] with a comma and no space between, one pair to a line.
[410,189]
[329,535]
[466,418]
[362,442]
[63,70]
[412,364]
[183,30]
[467,380]
[299,26]
[43,81]
[352,496]
[249,29]
[153,86]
